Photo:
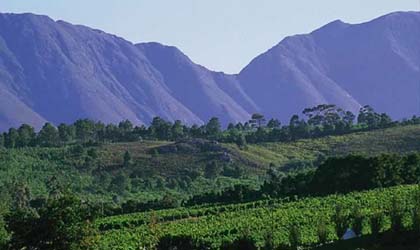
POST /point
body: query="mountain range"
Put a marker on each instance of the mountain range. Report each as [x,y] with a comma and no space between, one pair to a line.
[59,72]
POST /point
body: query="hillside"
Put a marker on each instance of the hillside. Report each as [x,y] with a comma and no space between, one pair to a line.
[394,140]
[215,225]
[158,167]
[59,72]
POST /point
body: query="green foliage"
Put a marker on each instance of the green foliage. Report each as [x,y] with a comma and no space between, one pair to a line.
[322,120]
[243,243]
[64,223]
[257,218]
[127,159]
[213,128]
[341,221]
[178,243]
[358,219]
[376,223]
[48,136]
[295,237]
[415,219]
[397,214]
[212,170]
[322,231]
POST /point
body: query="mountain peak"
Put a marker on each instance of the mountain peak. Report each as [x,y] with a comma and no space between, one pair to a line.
[332,27]
[26,17]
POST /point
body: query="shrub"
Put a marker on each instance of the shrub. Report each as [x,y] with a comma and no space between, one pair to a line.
[397,213]
[244,243]
[268,241]
[294,237]
[376,222]
[179,243]
[341,221]
[357,221]
[322,232]
[416,212]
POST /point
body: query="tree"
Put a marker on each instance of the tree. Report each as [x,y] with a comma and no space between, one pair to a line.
[127,159]
[349,119]
[241,141]
[160,129]
[177,130]
[66,133]
[385,121]
[22,196]
[197,132]
[298,128]
[230,126]
[273,123]
[64,223]
[48,136]
[212,170]
[125,129]
[1,140]
[120,184]
[111,133]
[85,129]
[11,138]
[368,117]
[26,136]
[257,120]
[125,126]
[213,128]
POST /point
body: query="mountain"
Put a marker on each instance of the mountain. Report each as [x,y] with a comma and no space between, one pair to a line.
[58,72]
[375,63]
[205,93]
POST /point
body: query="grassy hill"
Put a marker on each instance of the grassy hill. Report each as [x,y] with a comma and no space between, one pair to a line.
[158,167]
[393,140]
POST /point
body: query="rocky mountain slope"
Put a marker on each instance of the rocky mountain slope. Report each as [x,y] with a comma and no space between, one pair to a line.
[58,72]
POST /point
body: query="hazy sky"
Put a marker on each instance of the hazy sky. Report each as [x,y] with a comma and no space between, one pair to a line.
[219,34]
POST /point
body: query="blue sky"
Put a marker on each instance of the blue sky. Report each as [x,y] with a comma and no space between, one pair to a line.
[222,35]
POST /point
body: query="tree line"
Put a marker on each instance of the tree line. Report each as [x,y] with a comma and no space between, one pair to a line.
[318,121]
[337,175]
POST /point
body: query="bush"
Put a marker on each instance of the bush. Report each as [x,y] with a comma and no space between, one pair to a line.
[416,220]
[322,232]
[268,241]
[294,237]
[244,243]
[341,221]
[357,221]
[416,213]
[179,243]
[397,213]
[376,223]
[64,223]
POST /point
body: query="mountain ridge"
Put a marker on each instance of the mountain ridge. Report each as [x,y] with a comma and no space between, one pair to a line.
[59,72]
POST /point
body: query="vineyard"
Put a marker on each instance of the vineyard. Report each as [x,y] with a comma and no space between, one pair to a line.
[258,220]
